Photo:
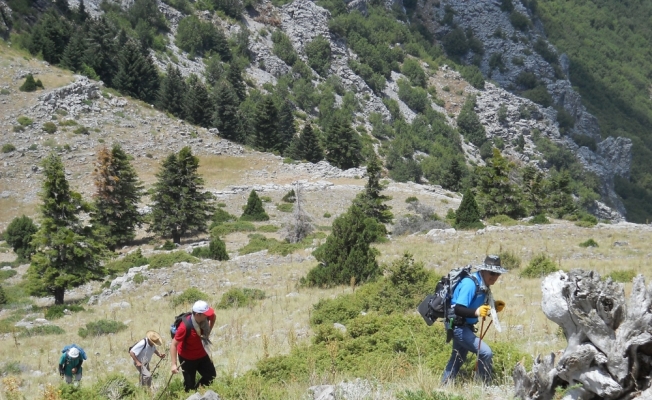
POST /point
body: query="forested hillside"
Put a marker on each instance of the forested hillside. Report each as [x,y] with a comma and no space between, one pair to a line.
[609,43]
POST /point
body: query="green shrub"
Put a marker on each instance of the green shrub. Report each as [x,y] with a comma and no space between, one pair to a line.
[220,216]
[265,199]
[327,215]
[539,219]
[49,127]
[82,130]
[290,197]
[10,368]
[133,259]
[502,219]
[24,121]
[56,311]
[216,250]
[509,260]
[101,327]
[7,273]
[168,259]
[19,234]
[189,296]
[519,21]
[254,210]
[43,330]
[538,267]
[624,276]
[115,386]
[586,220]
[230,227]
[268,228]
[3,296]
[221,204]
[467,215]
[283,48]
[285,207]
[412,199]
[589,243]
[258,242]
[421,395]
[167,245]
[139,278]
[29,85]
[318,52]
[68,122]
[236,297]
[8,148]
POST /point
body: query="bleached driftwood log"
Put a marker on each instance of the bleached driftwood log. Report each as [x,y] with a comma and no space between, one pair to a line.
[609,342]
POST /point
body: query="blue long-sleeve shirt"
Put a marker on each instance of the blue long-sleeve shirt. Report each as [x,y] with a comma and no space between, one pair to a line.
[465,295]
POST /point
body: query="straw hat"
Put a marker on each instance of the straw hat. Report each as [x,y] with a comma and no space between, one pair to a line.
[155,338]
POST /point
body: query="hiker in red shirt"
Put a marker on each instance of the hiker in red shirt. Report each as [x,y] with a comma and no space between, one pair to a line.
[191,347]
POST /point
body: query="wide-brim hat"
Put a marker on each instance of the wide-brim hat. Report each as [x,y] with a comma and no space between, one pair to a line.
[73,353]
[154,337]
[492,263]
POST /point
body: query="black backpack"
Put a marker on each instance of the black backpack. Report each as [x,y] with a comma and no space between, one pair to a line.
[132,346]
[438,304]
[185,318]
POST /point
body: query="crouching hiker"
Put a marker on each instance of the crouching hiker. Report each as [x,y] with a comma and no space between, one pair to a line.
[471,300]
[142,352]
[190,343]
[70,363]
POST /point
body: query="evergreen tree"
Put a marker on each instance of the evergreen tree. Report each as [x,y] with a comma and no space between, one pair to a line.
[67,255]
[19,235]
[3,296]
[117,195]
[266,134]
[254,210]
[172,92]
[214,70]
[49,37]
[225,117]
[234,76]
[309,147]
[137,76]
[496,194]
[534,190]
[452,178]
[559,201]
[467,215]
[82,14]
[196,104]
[63,7]
[286,129]
[318,52]
[371,201]
[179,204]
[342,145]
[217,249]
[73,55]
[148,12]
[102,49]
[347,254]
[29,85]
[469,123]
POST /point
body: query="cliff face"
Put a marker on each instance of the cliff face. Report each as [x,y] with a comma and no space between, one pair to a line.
[508,53]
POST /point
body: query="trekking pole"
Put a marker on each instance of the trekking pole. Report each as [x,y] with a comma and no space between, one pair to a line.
[156,366]
[168,384]
[477,359]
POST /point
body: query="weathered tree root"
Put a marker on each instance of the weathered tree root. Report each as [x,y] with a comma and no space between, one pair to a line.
[609,352]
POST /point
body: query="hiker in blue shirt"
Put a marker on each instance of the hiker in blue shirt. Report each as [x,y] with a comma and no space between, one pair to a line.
[470,300]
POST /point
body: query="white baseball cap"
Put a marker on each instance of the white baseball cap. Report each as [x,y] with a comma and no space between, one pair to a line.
[202,307]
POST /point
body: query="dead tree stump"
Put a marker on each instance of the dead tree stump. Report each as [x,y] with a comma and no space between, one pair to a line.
[609,352]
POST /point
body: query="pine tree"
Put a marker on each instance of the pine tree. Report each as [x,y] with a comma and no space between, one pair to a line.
[234,76]
[371,201]
[286,129]
[452,178]
[534,190]
[172,92]
[19,235]
[179,204]
[117,195]
[73,55]
[82,14]
[217,249]
[29,85]
[137,76]
[102,49]
[225,117]
[214,70]
[347,253]
[254,210]
[196,104]
[50,36]
[469,123]
[67,254]
[467,215]
[342,145]
[266,135]
[308,147]
[496,194]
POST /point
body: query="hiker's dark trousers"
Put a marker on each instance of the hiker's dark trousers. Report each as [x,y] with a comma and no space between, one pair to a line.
[464,340]
[190,368]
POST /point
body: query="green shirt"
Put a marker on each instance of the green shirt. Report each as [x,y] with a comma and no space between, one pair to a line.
[66,364]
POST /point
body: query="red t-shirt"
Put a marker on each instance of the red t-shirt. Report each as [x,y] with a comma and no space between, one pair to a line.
[190,348]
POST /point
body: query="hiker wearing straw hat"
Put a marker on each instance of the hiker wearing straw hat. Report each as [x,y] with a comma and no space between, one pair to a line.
[70,364]
[471,300]
[142,352]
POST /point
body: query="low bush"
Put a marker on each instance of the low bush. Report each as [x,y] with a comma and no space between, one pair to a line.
[43,330]
[10,368]
[101,327]
[265,199]
[539,219]
[538,267]
[169,259]
[216,250]
[49,127]
[509,260]
[230,227]
[586,220]
[237,297]
[68,122]
[411,199]
[268,228]
[7,273]
[285,207]
[82,130]
[220,216]
[327,215]
[258,242]
[290,197]
[624,276]
[189,296]
[56,311]
[8,148]
[139,278]
[502,220]
[421,395]
[410,224]
[168,245]
[133,259]
[24,121]
[589,243]
[115,386]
